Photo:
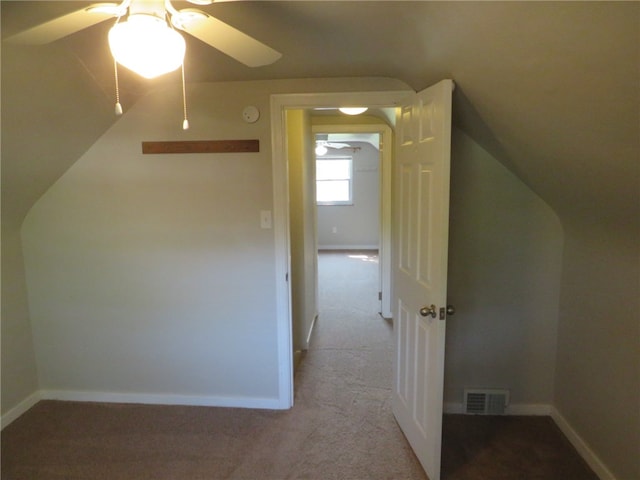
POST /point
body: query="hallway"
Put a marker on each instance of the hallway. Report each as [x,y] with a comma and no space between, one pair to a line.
[347,372]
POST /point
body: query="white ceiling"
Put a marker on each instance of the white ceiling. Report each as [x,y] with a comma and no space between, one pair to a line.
[552,89]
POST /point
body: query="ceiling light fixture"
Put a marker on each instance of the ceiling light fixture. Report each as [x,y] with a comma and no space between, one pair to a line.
[353,110]
[147,45]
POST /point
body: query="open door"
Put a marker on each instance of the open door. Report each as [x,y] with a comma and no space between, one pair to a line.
[421,229]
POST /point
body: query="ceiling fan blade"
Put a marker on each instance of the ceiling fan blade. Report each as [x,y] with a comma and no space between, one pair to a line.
[225,38]
[337,145]
[65,25]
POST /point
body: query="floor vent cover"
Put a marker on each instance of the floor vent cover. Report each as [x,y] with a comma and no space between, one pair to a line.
[485,401]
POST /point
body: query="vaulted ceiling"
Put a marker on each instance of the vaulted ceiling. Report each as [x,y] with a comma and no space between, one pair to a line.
[551,89]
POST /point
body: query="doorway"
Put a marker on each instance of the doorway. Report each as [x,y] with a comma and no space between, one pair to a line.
[336,200]
[280,104]
[421,190]
[350,226]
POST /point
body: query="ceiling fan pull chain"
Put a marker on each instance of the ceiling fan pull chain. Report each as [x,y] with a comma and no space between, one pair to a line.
[185,123]
[115,73]
[118,106]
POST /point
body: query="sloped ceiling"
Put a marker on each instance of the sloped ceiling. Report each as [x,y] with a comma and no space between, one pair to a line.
[552,89]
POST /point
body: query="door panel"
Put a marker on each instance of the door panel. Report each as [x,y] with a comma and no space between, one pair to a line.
[420,268]
[406,219]
[425,244]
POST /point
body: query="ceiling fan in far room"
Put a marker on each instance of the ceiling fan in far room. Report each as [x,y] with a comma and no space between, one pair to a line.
[323,143]
[153,17]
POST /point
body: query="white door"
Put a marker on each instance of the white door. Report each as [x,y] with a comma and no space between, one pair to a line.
[421,227]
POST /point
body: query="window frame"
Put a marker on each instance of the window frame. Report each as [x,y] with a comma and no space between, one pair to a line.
[348,202]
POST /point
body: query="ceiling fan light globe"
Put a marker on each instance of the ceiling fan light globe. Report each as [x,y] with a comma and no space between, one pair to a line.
[321,150]
[146,45]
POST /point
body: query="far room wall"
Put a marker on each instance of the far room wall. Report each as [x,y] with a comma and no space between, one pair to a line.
[355,226]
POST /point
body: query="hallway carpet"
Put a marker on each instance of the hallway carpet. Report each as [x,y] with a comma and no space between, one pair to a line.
[341,426]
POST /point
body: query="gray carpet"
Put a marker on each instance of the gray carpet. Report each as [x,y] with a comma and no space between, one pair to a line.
[341,426]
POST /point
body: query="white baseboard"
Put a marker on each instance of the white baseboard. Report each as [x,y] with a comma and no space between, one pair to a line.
[20,409]
[453,407]
[533,409]
[581,446]
[313,324]
[348,247]
[549,410]
[138,398]
[274,404]
[162,399]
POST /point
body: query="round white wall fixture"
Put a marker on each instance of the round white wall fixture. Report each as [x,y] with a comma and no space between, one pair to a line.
[250,114]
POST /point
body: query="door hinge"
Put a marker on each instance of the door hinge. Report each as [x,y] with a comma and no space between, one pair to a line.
[286,277]
[379,295]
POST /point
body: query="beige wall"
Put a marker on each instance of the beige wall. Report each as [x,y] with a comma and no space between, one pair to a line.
[597,387]
[505,255]
[19,373]
[41,138]
[302,215]
[149,277]
[150,274]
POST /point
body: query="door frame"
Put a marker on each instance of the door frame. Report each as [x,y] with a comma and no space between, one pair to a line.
[384,242]
[278,105]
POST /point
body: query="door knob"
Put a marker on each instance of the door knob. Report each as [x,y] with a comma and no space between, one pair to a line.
[428,311]
[451,309]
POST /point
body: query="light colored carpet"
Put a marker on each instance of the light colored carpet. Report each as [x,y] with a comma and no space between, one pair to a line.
[341,426]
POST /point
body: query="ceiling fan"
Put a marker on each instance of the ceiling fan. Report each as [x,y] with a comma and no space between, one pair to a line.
[333,145]
[323,143]
[323,139]
[208,29]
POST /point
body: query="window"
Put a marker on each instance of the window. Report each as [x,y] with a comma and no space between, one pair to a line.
[334,181]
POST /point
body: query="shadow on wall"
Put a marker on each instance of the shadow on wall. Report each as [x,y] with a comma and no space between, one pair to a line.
[505,254]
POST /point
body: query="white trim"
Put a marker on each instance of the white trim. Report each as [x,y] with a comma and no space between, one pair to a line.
[348,247]
[531,409]
[386,150]
[453,407]
[335,203]
[20,409]
[582,446]
[278,104]
[528,409]
[284,327]
[313,324]
[161,399]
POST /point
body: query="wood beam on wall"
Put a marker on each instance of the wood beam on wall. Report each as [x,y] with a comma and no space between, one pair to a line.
[202,146]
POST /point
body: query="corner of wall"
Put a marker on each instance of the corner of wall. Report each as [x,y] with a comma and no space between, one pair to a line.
[583,448]
[20,409]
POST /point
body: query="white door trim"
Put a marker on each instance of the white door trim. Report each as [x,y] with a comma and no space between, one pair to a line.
[280,103]
[386,153]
